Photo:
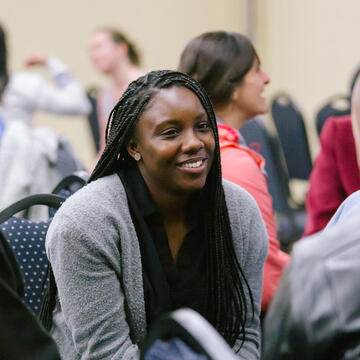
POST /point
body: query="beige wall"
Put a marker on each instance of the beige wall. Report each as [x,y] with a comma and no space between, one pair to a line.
[309,48]
[161,28]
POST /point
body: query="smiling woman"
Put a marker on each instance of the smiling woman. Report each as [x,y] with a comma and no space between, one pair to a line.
[155,230]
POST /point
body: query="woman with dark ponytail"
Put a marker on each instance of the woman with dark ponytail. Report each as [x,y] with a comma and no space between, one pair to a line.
[227,66]
[156,229]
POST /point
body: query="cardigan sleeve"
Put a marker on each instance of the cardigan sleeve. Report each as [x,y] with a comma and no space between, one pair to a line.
[85,262]
[251,247]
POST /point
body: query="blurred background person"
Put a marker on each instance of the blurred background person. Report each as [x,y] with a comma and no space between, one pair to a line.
[34,160]
[228,67]
[27,92]
[315,313]
[114,55]
[336,173]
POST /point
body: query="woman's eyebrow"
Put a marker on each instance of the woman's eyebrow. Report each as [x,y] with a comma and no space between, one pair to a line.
[201,116]
[166,123]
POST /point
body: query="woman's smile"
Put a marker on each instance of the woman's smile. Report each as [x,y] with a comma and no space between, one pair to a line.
[193,165]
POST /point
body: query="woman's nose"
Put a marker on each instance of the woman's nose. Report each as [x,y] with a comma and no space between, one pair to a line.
[265,77]
[191,142]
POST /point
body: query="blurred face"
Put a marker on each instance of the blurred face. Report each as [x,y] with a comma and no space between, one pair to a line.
[104,52]
[248,94]
[175,142]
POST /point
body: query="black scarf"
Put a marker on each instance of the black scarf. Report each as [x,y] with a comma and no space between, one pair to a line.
[156,288]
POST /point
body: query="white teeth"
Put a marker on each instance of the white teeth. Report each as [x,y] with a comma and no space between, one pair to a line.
[193,164]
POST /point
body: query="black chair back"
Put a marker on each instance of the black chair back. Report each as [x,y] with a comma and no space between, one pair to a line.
[290,220]
[259,139]
[93,118]
[293,138]
[338,105]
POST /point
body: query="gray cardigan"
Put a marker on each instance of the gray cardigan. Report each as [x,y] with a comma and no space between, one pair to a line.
[94,252]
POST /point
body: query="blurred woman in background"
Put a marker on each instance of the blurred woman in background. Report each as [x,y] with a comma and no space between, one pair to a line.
[113,55]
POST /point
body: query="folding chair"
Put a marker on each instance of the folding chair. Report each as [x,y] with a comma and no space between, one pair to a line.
[290,219]
[338,105]
[195,336]
[92,94]
[292,134]
[27,240]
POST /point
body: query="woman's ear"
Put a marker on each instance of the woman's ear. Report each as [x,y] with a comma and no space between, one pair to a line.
[122,49]
[133,149]
[235,95]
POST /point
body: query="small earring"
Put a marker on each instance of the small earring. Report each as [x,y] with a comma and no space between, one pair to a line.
[137,156]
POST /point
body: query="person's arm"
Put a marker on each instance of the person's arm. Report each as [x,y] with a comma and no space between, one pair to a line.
[251,246]
[325,192]
[86,262]
[67,97]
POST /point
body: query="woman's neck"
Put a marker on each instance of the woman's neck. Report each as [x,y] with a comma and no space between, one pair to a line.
[123,74]
[171,208]
[173,213]
[231,116]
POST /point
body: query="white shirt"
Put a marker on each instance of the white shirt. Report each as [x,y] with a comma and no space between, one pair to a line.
[27,92]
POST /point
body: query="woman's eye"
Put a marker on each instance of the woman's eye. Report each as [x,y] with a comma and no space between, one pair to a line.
[169,132]
[204,125]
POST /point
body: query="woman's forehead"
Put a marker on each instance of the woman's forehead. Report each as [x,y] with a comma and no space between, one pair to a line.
[174,103]
[174,99]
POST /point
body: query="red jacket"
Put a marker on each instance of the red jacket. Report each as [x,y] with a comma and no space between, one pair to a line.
[335,174]
[244,166]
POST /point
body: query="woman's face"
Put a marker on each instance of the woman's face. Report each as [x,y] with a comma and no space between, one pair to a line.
[175,142]
[248,94]
[103,51]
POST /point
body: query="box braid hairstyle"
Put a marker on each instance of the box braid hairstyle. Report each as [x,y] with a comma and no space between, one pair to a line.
[227,287]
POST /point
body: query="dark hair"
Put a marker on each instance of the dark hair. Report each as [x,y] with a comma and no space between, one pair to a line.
[219,60]
[227,287]
[119,37]
[4,77]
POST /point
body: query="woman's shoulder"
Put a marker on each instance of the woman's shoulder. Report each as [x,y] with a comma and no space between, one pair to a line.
[98,198]
[334,124]
[247,225]
[242,207]
[235,193]
[94,212]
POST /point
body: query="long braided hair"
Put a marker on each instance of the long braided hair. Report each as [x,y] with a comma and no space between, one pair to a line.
[227,288]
